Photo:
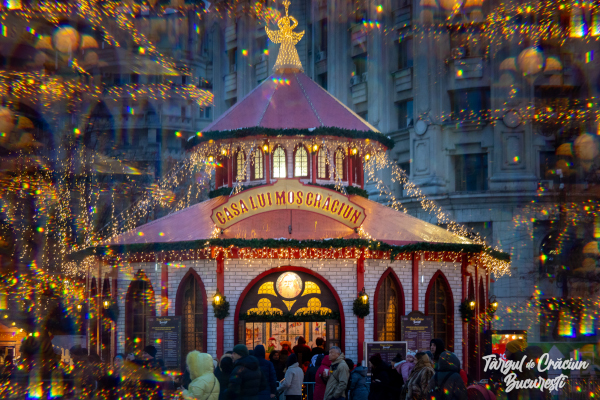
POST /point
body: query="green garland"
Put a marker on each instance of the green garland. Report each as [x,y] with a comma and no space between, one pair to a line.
[465,311]
[351,190]
[359,308]
[112,312]
[267,316]
[372,245]
[221,310]
[270,132]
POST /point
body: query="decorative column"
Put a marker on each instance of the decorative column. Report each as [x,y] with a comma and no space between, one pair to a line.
[360,283]
[268,165]
[415,282]
[350,172]
[361,173]
[314,167]
[477,318]
[221,289]
[113,325]
[99,310]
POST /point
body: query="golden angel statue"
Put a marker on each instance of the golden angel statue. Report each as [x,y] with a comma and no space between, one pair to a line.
[288,55]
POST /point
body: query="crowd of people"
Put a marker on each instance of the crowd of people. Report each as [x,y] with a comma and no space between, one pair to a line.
[296,373]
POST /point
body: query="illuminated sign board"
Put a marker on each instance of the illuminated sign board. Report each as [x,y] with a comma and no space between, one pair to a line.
[288,194]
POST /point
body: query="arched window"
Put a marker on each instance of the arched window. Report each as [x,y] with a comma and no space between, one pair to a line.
[279,163]
[322,164]
[257,168]
[439,305]
[240,166]
[340,165]
[191,305]
[140,306]
[301,162]
[389,302]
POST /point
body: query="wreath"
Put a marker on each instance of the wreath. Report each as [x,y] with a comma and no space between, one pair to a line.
[360,308]
[221,309]
[465,311]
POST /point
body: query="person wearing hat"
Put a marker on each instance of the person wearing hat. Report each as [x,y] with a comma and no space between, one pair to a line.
[246,380]
[381,388]
[418,380]
[447,377]
[396,378]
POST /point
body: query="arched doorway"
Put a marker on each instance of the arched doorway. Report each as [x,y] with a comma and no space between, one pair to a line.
[139,305]
[439,304]
[388,306]
[297,295]
[191,305]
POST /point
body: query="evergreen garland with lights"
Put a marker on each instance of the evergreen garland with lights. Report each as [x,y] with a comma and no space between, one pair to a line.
[466,313]
[359,308]
[221,310]
[268,316]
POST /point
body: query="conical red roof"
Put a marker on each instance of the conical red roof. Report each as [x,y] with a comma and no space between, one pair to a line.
[289,101]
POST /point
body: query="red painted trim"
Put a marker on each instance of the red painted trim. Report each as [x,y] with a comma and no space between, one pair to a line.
[179,301]
[450,303]
[268,167]
[361,175]
[415,282]
[477,306]
[360,283]
[463,269]
[314,167]
[402,308]
[283,269]
[139,276]
[229,171]
[350,171]
[164,292]
[220,288]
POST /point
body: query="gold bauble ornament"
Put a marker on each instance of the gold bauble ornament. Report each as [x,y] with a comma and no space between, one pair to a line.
[66,39]
[531,61]
[586,147]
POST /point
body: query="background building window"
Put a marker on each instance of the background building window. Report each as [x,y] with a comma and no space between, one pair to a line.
[340,165]
[471,104]
[257,165]
[279,163]
[405,53]
[193,317]
[388,311]
[471,172]
[548,165]
[405,114]
[322,164]
[301,162]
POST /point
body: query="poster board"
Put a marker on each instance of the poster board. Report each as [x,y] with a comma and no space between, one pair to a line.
[417,330]
[388,351]
[164,333]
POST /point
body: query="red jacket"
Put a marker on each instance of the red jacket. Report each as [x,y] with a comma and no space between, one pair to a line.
[320,384]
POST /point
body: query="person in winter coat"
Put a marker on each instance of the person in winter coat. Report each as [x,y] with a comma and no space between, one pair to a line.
[405,367]
[358,384]
[277,364]
[418,380]
[380,379]
[246,380]
[267,369]
[302,351]
[396,379]
[515,351]
[292,383]
[437,347]
[321,378]
[204,385]
[223,372]
[447,377]
[320,347]
[339,375]
[311,374]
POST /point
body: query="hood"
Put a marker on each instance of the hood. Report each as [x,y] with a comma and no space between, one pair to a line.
[226,365]
[249,362]
[259,352]
[448,362]
[326,361]
[439,347]
[340,359]
[362,371]
[199,364]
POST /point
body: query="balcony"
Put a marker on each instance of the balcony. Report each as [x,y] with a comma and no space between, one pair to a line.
[230,86]
[230,37]
[262,68]
[359,39]
[403,79]
[177,123]
[468,68]
[359,92]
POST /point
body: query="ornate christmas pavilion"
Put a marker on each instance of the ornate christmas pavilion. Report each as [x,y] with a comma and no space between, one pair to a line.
[289,240]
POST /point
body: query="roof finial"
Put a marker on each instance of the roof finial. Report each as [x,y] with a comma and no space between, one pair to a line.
[288,55]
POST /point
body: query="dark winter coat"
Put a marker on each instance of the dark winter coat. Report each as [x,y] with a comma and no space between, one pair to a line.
[358,384]
[302,351]
[316,351]
[449,366]
[223,372]
[278,365]
[246,380]
[380,382]
[396,382]
[268,371]
[311,375]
